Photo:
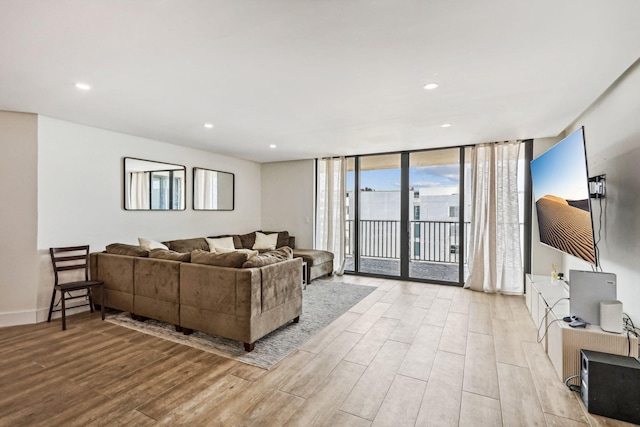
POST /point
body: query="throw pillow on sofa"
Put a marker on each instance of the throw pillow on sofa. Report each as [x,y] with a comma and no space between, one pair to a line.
[221,243]
[169,255]
[265,241]
[230,259]
[267,258]
[149,244]
[124,249]
[283,237]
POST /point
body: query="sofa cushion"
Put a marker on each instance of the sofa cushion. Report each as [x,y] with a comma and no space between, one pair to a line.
[247,240]
[170,255]
[278,255]
[283,238]
[231,259]
[149,244]
[221,243]
[188,245]
[249,252]
[313,256]
[124,249]
[265,241]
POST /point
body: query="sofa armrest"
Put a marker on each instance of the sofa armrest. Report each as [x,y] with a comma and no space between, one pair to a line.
[116,271]
[281,282]
[292,242]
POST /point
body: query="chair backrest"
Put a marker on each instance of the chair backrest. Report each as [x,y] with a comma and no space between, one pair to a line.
[70,258]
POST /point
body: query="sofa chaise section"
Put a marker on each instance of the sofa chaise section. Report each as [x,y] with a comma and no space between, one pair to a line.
[319,263]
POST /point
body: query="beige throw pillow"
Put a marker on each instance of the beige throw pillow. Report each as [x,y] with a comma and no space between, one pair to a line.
[221,243]
[149,244]
[265,241]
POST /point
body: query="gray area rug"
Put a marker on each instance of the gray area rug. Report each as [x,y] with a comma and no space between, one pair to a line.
[322,303]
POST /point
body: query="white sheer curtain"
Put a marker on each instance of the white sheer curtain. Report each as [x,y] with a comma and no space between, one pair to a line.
[495,261]
[139,190]
[330,209]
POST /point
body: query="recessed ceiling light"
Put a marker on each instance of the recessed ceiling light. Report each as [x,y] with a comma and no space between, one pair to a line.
[431,86]
[82,86]
[208,125]
[446,125]
[272,146]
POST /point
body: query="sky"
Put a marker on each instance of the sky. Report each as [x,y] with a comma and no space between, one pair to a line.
[561,171]
[438,178]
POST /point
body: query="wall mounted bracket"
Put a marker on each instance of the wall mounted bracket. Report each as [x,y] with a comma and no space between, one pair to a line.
[597,187]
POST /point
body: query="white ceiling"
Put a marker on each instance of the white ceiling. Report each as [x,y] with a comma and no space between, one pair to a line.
[315,77]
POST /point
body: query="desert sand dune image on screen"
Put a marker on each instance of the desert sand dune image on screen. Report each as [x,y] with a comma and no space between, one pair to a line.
[565,227]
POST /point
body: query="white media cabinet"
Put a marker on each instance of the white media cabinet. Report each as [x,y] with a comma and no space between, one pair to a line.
[548,302]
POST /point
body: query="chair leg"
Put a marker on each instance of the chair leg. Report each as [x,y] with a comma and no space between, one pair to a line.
[53,299]
[90,296]
[102,301]
[64,313]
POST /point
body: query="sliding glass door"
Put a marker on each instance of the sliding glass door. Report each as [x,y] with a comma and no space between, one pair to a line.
[403,216]
[379,210]
[435,225]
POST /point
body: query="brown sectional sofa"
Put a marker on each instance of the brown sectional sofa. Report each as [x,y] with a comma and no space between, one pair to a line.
[243,304]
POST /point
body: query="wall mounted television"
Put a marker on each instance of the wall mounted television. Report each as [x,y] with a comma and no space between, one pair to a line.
[561,191]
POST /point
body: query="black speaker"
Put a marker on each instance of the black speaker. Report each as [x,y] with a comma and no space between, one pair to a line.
[610,385]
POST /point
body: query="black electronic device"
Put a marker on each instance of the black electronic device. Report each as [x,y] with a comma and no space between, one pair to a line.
[610,385]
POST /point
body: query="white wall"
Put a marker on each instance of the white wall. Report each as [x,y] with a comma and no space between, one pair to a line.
[80,193]
[19,217]
[612,133]
[288,195]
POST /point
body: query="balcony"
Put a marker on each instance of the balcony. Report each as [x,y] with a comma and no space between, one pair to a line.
[434,248]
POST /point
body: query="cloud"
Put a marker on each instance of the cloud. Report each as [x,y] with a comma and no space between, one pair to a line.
[428,184]
[446,173]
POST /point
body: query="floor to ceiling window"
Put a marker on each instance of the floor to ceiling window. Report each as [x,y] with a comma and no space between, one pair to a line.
[408,214]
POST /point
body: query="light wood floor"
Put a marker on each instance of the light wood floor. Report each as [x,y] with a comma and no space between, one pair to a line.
[408,354]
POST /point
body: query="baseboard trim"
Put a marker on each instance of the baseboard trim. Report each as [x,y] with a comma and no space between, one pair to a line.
[14,318]
[28,317]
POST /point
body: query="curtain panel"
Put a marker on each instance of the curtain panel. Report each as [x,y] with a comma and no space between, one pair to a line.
[330,209]
[495,259]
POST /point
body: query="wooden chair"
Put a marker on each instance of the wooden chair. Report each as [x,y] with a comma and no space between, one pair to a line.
[72,258]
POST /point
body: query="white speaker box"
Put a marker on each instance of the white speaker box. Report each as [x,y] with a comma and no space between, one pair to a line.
[611,316]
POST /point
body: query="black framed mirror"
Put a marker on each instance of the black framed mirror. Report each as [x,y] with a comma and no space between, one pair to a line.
[153,186]
[213,190]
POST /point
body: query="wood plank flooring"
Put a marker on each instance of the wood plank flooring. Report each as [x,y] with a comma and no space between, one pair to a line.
[409,354]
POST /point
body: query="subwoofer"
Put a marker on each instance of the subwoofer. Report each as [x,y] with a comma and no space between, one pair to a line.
[610,385]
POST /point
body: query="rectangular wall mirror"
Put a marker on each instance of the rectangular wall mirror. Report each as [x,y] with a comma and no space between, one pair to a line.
[213,190]
[154,186]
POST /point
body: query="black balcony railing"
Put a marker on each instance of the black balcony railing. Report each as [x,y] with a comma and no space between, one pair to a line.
[434,241]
